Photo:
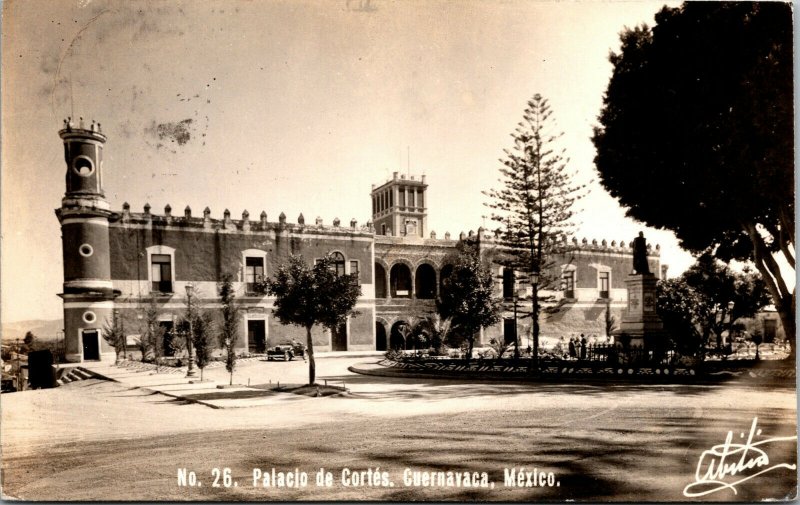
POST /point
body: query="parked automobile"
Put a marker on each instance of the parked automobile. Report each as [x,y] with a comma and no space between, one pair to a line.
[287,352]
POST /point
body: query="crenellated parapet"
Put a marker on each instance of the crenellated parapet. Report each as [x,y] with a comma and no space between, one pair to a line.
[575,244]
[228,224]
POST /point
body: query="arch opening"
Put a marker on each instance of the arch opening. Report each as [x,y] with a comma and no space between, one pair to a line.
[425,282]
[400,281]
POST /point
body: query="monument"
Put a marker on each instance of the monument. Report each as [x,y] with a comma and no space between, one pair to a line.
[641,325]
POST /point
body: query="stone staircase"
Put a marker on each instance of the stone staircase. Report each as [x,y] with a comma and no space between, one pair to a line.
[74,374]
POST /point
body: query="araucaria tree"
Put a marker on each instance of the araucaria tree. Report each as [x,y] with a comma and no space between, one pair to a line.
[534,206]
[467,296]
[230,323]
[309,295]
[696,134]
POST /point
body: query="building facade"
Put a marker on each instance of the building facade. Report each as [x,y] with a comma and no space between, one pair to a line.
[117,262]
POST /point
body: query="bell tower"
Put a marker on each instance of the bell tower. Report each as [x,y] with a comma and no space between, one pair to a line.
[399,207]
[84,216]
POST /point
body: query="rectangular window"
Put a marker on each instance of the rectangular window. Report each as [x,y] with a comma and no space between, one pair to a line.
[161,273]
[605,284]
[411,202]
[568,284]
[508,283]
[354,270]
[420,199]
[253,273]
[391,199]
[402,196]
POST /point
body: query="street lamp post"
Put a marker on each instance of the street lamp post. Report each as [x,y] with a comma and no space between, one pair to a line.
[190,372]
[535,293]
[516,332]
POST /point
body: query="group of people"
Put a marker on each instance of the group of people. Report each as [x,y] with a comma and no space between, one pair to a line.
[576,348]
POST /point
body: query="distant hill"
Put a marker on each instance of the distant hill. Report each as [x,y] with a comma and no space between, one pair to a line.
[43,329]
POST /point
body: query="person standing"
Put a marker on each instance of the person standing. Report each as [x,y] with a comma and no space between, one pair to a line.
[583,346]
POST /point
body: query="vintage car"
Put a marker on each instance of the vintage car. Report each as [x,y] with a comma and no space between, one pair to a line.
[287,352]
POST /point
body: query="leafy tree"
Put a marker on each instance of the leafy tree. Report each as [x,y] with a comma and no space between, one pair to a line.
[467,295]
[706,300]
[230,322]
[114,334]
[679,308]
[724,295]
[534,205]
[200,333]
[696,133]
[309,295]
[29,338]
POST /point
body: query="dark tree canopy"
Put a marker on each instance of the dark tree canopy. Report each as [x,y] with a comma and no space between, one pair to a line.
[696,132]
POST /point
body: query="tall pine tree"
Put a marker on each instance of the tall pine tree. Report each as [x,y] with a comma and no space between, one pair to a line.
[534,203]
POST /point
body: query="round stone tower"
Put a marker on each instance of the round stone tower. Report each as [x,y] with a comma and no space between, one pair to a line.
[84,216]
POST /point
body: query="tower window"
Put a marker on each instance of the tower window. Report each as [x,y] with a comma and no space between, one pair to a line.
[354,270]
[605,284]
[253,273]
[83,166]
[85,250]
[161,273]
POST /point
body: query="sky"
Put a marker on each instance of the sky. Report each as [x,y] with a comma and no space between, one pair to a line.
[291,106]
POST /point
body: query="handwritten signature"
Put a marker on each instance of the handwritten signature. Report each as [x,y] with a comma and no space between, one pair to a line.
[720,462]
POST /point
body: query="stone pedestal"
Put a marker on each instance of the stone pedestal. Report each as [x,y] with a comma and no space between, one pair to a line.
[641,322]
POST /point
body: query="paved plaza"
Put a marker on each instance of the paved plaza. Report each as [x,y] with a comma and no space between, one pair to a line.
[97,439]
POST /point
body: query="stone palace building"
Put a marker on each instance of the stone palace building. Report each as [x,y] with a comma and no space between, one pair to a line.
[116,260]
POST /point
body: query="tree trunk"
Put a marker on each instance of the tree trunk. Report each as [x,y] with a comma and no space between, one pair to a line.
[770,272]
[312,367]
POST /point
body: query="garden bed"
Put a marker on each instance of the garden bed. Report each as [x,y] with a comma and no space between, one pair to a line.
[511,369]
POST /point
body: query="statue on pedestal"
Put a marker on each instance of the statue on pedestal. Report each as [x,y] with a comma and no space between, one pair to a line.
[640,265]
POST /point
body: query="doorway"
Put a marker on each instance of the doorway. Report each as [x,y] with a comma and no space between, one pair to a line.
[91,345]
[256,336]
[339,338]
[380,336]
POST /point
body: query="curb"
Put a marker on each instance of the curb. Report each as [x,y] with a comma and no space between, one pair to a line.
[182,398]
[153,391]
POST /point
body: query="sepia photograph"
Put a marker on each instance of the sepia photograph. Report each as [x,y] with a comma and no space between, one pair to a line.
[397,251]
